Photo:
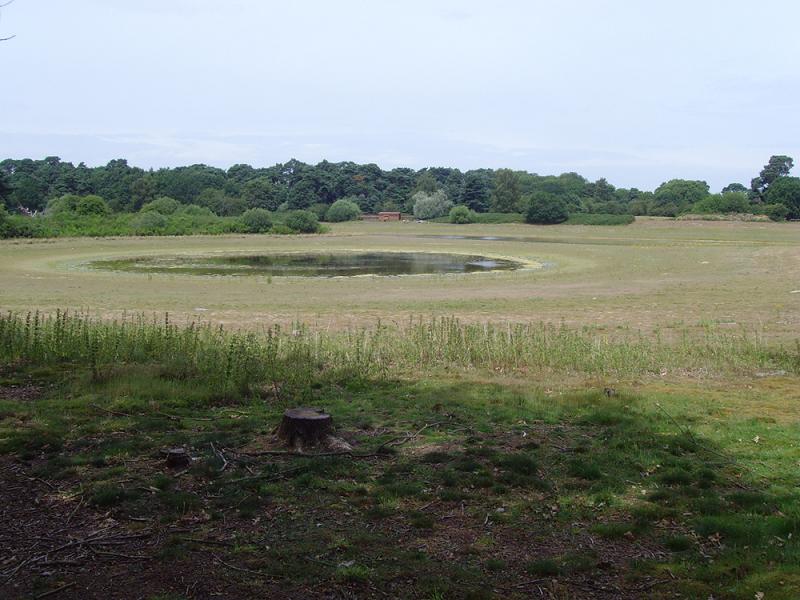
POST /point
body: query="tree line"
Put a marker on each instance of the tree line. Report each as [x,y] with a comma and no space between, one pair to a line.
[29,185]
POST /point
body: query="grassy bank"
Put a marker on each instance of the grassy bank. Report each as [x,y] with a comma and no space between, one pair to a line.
[245,359]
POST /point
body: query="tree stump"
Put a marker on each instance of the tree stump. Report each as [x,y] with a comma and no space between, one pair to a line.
[178,458]
[305,426]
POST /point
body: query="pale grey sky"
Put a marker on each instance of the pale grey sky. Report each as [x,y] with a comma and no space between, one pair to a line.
[633,90]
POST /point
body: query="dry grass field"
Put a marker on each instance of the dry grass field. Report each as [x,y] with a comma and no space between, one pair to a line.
[655,274]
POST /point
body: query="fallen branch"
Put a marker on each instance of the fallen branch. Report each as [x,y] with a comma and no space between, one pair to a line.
[205,541]
[267,476]
[221,456]
[243,570]
[111,412]
[66,586]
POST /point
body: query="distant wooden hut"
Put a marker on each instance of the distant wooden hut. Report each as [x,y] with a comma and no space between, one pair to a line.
[388,216]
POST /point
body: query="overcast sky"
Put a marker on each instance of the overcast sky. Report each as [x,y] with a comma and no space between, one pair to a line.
[633,90]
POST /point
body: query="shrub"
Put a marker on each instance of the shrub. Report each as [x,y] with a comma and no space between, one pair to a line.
[776,212]
[92,205]
[343,210]
[302,221]
[461,215]
[80,205]
[193,210]
[64,204]
[20,226]
[281,229]
[149,223]
[729,202]
[546,209]
[256,220]
[319,209]
[221,203]
[494,217]
[430,206]
[163,205]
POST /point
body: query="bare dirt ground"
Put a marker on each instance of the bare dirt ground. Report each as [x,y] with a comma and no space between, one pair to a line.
[57,544]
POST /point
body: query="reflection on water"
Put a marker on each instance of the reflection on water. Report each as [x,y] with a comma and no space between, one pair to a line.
[311,265]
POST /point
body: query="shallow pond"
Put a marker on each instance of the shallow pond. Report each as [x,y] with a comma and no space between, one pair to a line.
[311,265]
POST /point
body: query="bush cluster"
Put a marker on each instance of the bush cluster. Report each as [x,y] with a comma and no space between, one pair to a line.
[431,205]
[461,215]
[342,210]
[546,209]
[75,216]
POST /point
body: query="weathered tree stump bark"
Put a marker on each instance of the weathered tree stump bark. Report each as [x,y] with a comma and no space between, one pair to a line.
[178,458]
[305,427]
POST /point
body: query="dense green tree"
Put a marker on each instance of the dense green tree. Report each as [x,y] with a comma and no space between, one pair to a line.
[5,189]
[477,191]
[601,191]
[506,195]
[786,191]
[30,192]
[303,193]
[113,182]
[734,187]
[5,225]
[777,167]
[545,208]
[426,183]
[261,193]
[241,173]
[573,189]
[143,190]
[398,187]
[453,185]
[30,184]
[185,184]
[676,196]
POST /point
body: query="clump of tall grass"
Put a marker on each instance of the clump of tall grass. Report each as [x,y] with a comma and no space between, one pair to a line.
[241,361]
[541,347]
[227,361]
